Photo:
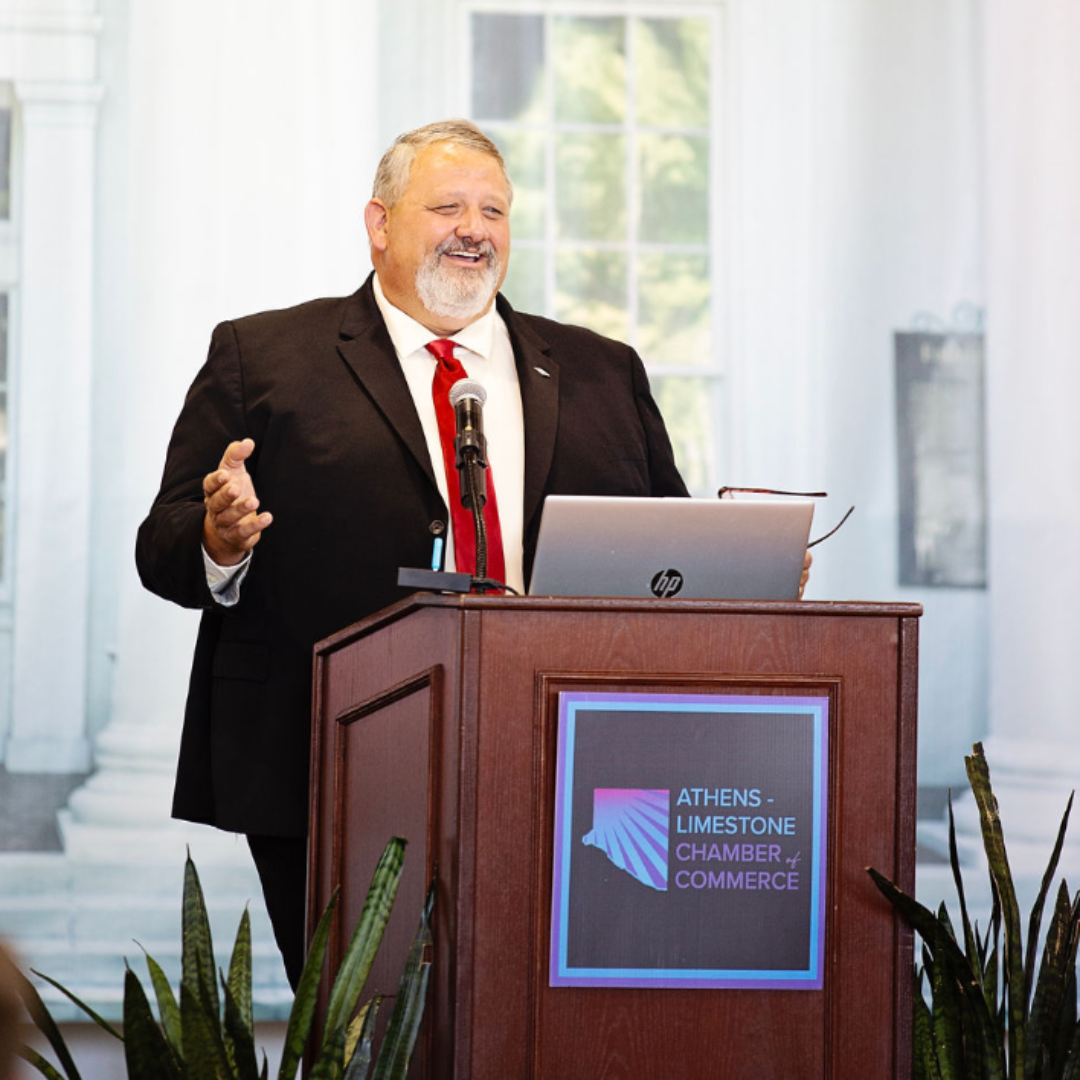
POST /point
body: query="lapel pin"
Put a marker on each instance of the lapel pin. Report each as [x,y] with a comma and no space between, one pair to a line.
[541,371]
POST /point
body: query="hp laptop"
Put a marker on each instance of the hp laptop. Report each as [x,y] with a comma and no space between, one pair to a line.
[699,548]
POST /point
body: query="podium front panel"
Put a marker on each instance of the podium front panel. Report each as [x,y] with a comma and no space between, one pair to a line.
[457,743]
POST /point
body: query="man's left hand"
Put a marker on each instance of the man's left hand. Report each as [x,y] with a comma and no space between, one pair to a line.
[807,560]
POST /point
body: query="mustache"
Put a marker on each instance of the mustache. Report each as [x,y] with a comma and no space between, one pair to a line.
[453,246]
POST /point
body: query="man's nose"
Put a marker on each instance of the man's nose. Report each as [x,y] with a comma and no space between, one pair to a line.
[473,225]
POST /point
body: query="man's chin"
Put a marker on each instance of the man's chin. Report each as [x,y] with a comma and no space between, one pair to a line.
[452,303]
[459,312]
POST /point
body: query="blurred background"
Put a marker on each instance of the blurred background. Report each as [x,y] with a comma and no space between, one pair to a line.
[842,234]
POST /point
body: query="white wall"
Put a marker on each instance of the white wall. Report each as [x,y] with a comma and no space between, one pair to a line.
[859,204]
[238,145]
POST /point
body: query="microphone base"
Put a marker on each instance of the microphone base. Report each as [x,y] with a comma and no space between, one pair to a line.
[434,580]
[445,581]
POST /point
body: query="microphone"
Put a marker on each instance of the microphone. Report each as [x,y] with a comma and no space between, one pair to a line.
[467,397]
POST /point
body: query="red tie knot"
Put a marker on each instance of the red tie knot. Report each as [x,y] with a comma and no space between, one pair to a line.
[443,351]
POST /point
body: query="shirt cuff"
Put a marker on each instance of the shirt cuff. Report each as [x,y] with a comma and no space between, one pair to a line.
[225,581]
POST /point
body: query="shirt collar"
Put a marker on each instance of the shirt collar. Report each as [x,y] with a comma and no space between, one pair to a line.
[409,336]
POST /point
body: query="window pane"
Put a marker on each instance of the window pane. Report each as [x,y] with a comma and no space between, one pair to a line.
[674,189]
[524,285]
[590,70]
[673,308]
[686,405]
[523,152]
[590,187]
[672,70]
[508,67]
[590,290]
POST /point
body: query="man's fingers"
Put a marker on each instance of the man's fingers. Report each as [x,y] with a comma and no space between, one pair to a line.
[234,493]
[807,560]
[242,534]
[236,453]
[231,470]
[231,511]
[248,528]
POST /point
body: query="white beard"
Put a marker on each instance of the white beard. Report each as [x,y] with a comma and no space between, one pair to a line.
[451,293]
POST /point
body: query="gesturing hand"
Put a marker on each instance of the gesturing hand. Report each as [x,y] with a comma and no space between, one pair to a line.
[232,525]
[807,560]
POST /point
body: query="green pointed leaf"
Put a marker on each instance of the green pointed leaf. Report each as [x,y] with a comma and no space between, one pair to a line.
[360,953]
[358,1055]
[1072,1063]
[240,970]
[970,941]
[924,1060]
[147,1054]
[998,860]
[948,1030]
[204,1049]
[990,972]
[197,965]
[168,1009]
[949,957]
[404,1027]
[1035,920]
[44,1022]
[329,1064]
[96,1017]
[1058,959]
[239,1040]
[239,1013]
[356,1026]
[302,1014]
[926,925]
[43,1065]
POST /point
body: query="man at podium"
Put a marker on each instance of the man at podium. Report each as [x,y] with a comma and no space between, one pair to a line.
[310,461]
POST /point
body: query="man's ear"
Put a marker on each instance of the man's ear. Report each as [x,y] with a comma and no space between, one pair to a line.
[376,218]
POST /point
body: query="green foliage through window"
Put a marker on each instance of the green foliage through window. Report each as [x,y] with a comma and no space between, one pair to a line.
[605,123]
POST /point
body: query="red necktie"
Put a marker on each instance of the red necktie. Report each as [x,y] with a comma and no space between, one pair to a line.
[447,372]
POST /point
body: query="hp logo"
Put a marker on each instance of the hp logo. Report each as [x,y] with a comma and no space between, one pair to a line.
[666,583]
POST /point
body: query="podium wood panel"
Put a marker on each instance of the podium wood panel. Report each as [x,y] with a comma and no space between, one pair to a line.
[437,720]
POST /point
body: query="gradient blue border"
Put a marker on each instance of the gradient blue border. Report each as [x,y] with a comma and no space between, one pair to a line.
[561,974]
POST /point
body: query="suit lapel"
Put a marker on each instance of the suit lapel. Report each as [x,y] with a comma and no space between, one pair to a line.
[538,379]
[364,344]
[366,347]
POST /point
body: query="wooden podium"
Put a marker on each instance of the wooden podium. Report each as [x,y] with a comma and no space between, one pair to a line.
[436,720]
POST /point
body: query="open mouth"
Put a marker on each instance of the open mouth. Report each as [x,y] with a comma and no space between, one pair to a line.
[465,258]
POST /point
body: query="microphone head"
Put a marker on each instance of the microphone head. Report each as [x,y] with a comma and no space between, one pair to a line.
[467,388]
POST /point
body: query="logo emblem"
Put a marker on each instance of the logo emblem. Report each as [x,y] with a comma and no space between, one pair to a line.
[630,826]
[666,583]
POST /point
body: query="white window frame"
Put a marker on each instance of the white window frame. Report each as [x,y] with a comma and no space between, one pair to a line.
[716,368]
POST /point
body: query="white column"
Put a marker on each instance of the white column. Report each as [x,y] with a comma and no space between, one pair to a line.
[1033,342]
[53,468]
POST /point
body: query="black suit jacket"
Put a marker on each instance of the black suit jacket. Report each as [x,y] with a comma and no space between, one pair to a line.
[340,460]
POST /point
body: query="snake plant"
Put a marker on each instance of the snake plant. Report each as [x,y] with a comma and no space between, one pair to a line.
[209,1035]
[990,1015]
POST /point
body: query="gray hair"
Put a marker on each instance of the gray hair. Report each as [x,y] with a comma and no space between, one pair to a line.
[392,175]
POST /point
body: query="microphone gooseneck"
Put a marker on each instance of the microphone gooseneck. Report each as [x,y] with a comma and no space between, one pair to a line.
[467,397]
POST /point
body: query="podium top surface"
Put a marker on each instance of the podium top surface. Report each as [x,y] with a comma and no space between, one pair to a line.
[593,605]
